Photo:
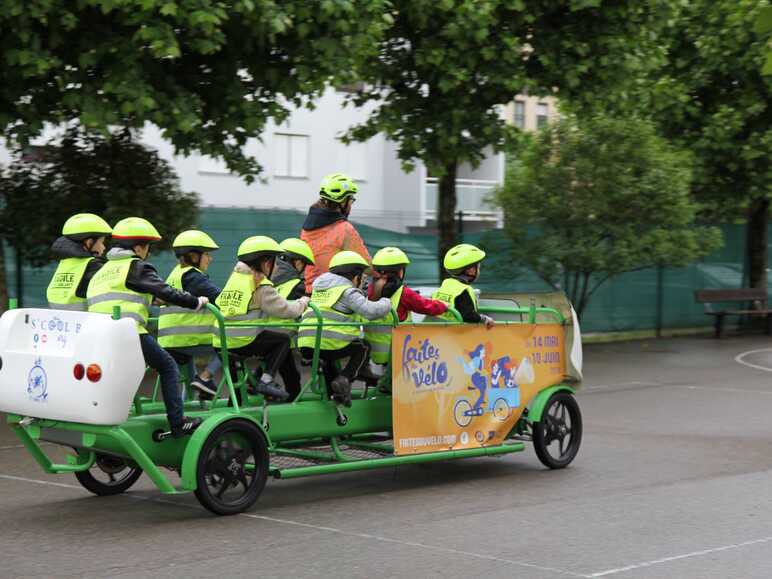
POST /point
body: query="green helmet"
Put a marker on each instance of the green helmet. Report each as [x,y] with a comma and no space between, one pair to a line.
[135,229]
[193,240]
[348,264]
[85,225]
[337,187]
[390,257]
[458,258]
[257,246]
[298,249]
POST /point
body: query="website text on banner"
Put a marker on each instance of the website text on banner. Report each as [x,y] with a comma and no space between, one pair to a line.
[466,387]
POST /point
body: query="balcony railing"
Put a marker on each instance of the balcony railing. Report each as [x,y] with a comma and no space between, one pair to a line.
[471,197]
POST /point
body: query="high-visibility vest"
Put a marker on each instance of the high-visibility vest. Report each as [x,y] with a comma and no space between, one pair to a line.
[284,290]
[233,302]
[450,289]
[333,337]
[108,289]
[379,337]
[67,277]
[180,327]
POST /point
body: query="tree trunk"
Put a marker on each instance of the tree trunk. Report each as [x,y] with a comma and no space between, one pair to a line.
[3,282]
[758,220]
[446,214]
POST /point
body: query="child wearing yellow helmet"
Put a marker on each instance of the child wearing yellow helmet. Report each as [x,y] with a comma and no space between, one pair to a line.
[80,250]
[128,281]
[291,265]
[185,334]
[250,300]
[389,267]
[462,263]
[338,297]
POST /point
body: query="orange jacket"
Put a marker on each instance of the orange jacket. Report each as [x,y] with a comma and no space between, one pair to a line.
[326,241]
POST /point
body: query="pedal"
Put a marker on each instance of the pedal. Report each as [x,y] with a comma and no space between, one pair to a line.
[341,419]
[161,435]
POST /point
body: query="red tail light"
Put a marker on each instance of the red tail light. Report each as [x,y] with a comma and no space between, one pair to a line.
[79,371]
[93,372]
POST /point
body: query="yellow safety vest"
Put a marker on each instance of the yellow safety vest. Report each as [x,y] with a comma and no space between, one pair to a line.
[450,289]
[180,327]
[67,277]
[233,302]
[379,337]
[284,289]
[108,289]
[334,337]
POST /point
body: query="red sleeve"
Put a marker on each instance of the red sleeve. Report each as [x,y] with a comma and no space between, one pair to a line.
[413,301]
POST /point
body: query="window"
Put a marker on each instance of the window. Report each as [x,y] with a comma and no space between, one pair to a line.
[520,114]
[213,166]
[352,160]
[290,156]
[542,114]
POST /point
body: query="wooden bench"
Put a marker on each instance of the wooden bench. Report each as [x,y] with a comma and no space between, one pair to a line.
[756,297]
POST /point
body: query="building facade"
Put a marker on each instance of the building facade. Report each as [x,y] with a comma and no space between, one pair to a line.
[298,153]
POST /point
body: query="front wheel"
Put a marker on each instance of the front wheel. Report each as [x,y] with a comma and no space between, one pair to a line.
[109,476]
[232,468]
[557,436]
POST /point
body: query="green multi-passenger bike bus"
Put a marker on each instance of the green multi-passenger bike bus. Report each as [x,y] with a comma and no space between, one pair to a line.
[451,391]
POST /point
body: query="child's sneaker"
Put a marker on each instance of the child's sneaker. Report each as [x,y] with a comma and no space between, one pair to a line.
[205,386]
[270,389]
[186,427]
[341,390]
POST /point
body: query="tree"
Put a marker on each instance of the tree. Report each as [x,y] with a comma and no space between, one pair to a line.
[764,28]
[114,177]
[445,68]
[708,95]
[210,74]
[589,200]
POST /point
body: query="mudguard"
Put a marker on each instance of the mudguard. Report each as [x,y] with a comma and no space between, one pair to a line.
[536,408]
[193,449]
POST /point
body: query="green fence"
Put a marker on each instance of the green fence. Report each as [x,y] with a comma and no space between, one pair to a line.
[628,302]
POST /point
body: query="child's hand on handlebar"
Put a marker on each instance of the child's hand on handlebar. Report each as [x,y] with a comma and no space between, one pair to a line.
[202,301]
[489,322]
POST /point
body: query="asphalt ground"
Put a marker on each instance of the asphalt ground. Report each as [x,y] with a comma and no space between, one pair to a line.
[673,480]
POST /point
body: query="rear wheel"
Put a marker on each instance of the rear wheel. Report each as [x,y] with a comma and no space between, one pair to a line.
[232,468]
[110,475]
[558,435]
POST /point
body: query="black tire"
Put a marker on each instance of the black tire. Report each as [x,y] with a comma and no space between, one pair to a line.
[560,429]
[120,476]
[220,469]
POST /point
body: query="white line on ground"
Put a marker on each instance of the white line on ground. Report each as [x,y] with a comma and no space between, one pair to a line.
[619,385]
[40,482]
[738,390]
[740,359]
[679,557]
[323,528]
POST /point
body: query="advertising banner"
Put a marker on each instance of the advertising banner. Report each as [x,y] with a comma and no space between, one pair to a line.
[456,387]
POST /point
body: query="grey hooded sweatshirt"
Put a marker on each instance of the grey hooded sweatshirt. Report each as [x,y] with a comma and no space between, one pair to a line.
[353,300]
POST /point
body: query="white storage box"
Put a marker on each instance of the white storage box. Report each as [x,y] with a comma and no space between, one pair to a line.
[70,366]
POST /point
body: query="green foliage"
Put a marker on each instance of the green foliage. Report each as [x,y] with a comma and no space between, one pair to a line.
[113,177]
[446,67]
[708,95]
[589,200]
[764,28]
[211,74]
